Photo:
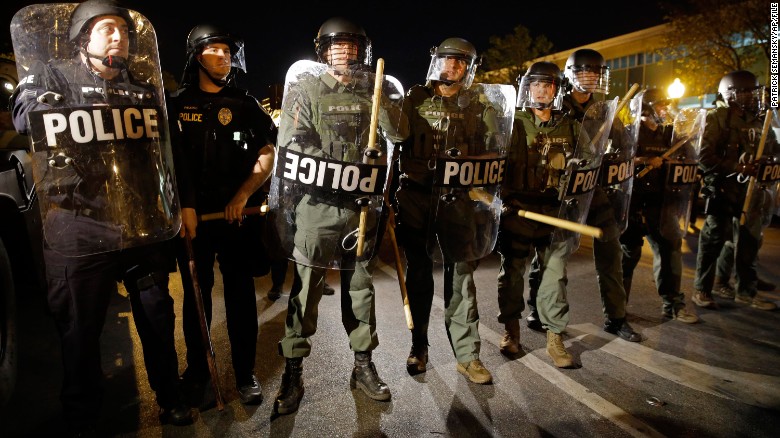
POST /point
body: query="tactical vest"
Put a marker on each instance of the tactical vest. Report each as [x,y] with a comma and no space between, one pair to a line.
[539,159]
[651,144]
[439,124]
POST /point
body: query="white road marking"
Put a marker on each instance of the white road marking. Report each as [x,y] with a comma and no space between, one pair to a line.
[619,417]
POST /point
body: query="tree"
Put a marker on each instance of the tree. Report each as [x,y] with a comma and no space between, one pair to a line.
[505,58]
[710,38]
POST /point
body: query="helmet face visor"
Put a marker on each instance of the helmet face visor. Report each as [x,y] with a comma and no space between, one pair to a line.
[539,91]
[752,101]
[589,78]
[344,50]
[451,69]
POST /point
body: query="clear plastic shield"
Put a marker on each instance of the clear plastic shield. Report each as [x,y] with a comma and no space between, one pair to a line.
[328,184]
[762,200]
[471,144]
[582,170]
[617,168]
[101,148]
[681,167]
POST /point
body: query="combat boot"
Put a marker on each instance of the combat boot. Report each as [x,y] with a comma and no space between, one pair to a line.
[723,288]
[365,377]
[619,326]
[291,391]
[418,358]
[561,358]
[510,342]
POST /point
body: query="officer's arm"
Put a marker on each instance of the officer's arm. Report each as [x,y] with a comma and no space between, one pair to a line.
[34,92]
[711,154]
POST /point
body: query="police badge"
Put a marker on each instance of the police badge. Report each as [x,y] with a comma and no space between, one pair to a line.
[225,116]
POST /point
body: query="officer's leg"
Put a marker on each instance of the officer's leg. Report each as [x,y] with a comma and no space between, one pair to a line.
[146,281]
[461,316]
[631,242]
[240,299]
[419,281]
[552,304]
[302,312]
[514,243]
[711,241]
[79,291]
[746,261]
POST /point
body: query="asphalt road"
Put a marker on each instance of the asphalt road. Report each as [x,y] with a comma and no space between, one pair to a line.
[717,378]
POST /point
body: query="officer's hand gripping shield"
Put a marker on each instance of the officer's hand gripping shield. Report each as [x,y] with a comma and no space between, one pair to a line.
[681,168]
[582,170]
[102,152]
[324,173]
[471,148]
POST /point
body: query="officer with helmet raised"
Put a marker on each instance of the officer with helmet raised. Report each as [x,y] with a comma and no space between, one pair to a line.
[227,152]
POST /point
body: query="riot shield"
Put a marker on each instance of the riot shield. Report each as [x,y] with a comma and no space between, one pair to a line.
[681,166]
[617,173]
[325,174]
[471,140]
[764,195]
[101,148]
[582,169]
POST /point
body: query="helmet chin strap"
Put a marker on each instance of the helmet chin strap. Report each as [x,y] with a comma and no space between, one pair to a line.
[117,62]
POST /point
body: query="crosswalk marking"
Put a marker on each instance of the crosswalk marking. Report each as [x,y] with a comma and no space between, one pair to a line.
[749,388]
[622,419]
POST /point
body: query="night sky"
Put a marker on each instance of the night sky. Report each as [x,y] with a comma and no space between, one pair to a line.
[402,32]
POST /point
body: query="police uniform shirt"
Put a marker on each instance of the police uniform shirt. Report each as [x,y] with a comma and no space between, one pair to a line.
[222,135]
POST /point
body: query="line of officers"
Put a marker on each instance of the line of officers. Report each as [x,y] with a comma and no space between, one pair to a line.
[225,147]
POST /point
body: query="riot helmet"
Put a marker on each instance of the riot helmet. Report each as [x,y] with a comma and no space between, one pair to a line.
[587,72]
[540,87]
[199,37]
[81,19]
[340,30]
[655,105]
[741,88]
[452,58]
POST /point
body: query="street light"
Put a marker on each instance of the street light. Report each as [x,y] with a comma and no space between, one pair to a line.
[676,89]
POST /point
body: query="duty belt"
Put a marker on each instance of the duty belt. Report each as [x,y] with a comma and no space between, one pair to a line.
[410,184]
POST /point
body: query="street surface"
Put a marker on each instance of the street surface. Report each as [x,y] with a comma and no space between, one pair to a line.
[717,378]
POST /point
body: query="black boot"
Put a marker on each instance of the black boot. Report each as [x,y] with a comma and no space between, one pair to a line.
[364,376]
[291,391]
[619,326]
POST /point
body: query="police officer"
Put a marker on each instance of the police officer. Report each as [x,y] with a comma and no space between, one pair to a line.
[227,143]
[450,75]
[325,114]
[81,217]
[655,136]
[728,151]
[544,139]
[588,75]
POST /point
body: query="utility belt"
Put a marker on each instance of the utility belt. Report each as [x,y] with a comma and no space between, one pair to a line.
[332,198]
